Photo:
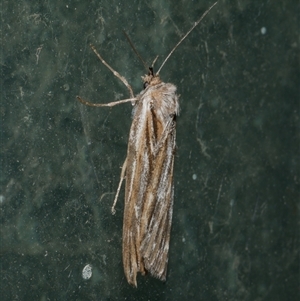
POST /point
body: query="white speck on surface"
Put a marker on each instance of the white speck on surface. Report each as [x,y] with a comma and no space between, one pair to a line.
[2,199]
[87,272]
[66,87]
[194,176]
[263,30]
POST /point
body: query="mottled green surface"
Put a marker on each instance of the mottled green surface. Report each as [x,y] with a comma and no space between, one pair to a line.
[235,232]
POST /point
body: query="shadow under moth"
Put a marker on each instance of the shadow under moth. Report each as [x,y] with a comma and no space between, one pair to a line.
[148,170]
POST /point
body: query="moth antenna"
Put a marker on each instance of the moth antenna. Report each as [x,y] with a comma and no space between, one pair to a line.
[135,51]
[151,68]
[183,38]
[154,61]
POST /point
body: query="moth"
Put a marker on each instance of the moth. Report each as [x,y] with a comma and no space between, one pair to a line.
[148,170]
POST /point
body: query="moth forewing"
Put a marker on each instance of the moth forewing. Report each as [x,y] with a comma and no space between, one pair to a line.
[149,185]
[148,169]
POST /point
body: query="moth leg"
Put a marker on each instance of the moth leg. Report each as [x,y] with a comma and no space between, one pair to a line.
[118,75]
[110,104]
[122,177]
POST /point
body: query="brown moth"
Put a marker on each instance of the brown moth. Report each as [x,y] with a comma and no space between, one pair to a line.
[148,169]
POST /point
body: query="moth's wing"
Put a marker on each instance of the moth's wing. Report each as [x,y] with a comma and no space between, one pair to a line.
[158,208]
[137,175]
[149,184]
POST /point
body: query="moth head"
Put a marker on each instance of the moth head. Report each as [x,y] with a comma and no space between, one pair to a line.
[151,78]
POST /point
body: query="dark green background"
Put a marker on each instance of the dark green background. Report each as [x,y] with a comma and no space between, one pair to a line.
[235,233]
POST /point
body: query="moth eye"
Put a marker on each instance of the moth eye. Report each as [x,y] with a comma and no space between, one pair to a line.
[146,84]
